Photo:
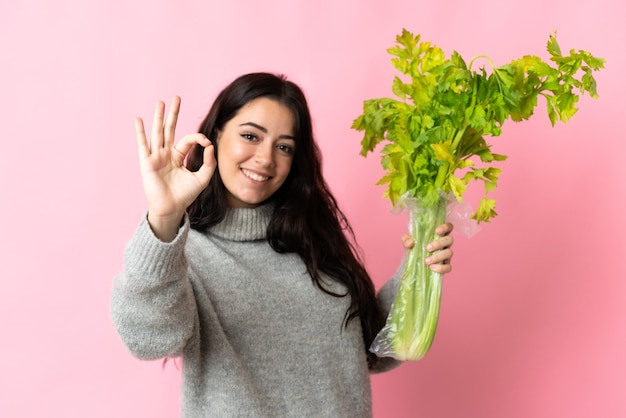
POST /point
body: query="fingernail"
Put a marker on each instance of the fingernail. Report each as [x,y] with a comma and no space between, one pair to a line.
[427,260]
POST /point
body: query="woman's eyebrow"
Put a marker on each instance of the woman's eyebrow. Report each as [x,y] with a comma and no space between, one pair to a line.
[264,130]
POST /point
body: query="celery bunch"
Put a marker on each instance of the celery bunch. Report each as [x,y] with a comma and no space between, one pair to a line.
[436,128]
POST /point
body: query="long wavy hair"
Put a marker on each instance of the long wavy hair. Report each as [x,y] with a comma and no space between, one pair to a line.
[306,219]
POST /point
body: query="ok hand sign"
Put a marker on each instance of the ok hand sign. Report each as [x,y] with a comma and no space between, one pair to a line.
[169,186]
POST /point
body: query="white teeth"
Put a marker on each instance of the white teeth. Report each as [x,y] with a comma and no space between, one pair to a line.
[254,176]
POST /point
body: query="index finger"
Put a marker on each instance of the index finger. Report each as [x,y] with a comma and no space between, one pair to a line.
[444,229]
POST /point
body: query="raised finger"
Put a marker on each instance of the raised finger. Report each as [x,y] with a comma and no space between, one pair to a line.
[142,142]
[156,141]
[170,122]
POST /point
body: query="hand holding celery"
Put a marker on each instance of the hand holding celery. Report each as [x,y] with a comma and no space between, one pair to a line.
[437,129]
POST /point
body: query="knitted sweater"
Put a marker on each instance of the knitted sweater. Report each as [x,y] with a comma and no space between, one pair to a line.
[257,337]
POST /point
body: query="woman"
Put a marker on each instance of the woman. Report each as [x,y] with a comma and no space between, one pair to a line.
[243,268]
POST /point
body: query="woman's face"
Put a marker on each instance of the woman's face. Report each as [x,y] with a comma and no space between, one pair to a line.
[255,152]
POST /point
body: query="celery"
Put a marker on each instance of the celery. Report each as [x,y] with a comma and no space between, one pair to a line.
[415,312]
[437,128]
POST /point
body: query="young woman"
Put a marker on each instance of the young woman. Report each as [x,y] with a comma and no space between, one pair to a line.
[242,265]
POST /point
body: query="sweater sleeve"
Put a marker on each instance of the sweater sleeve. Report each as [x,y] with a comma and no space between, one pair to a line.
[152,303]
[386,296]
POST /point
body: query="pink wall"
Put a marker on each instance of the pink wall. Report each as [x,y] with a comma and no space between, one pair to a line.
[533,322]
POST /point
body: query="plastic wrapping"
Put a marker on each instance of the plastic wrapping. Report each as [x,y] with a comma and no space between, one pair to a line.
[412,321]
[459,214]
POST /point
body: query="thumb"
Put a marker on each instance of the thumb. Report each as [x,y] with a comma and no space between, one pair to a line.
[407,241]
[206,170]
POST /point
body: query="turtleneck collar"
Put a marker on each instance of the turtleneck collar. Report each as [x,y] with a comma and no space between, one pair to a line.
[244,224]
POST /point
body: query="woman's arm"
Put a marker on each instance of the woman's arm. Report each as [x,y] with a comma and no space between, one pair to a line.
[152,302]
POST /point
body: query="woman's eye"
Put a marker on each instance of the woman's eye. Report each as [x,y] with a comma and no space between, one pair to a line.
[285,148]
[249,136]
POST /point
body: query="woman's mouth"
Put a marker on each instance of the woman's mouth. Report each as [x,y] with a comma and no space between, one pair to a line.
[254,176]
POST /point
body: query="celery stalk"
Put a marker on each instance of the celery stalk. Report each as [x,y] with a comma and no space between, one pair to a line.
[415,311]
[437,126]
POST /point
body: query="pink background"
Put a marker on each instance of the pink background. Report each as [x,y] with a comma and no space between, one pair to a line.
[533,322]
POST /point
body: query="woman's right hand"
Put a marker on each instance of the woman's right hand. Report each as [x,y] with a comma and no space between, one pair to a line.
[169,186]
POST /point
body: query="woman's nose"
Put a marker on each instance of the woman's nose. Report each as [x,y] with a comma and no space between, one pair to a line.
[264,154]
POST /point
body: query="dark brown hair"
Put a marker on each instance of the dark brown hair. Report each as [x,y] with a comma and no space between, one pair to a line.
[306,219]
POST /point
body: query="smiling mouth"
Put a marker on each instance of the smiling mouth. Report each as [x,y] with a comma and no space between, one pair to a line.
[254,176]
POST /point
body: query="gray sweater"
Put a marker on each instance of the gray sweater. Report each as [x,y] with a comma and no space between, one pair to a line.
[257,337]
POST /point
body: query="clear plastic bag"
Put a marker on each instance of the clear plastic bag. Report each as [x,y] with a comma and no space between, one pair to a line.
[412,321]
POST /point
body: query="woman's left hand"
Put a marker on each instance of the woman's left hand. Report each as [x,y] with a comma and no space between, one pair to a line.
[440,249]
